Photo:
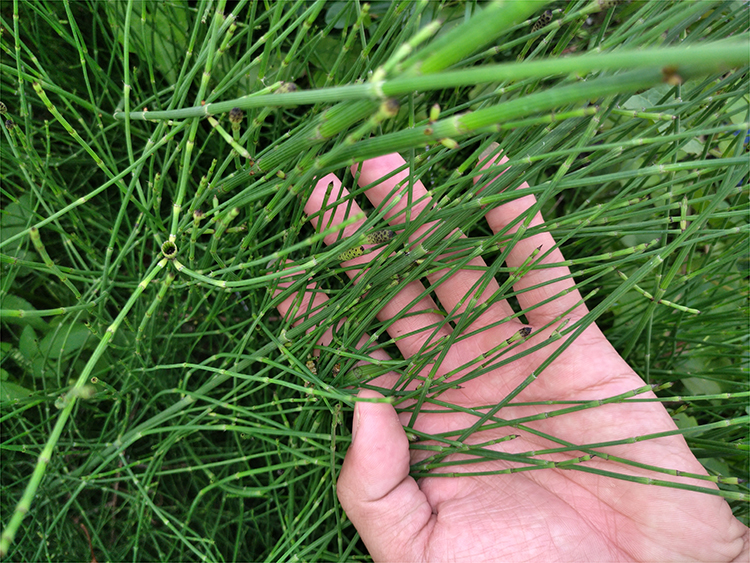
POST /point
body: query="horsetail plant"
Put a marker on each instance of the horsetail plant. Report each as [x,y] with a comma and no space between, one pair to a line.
[147,381]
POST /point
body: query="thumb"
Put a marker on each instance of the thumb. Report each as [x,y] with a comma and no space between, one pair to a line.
[386,506]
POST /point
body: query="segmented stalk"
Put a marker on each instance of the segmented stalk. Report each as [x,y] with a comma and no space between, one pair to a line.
[647,295]
[166,282]
[222,225]
[35,313]
[37,240]
[24,504]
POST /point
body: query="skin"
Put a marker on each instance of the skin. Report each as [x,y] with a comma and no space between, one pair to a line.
[541,515]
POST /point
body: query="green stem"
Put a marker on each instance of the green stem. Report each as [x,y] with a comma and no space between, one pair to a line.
[44,457]
[115,179]
[27,314]
[190,140]
[708,58]
[647,295]
[39,245]
[150,311]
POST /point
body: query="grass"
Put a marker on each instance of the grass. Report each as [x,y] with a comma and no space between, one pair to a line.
[155,406]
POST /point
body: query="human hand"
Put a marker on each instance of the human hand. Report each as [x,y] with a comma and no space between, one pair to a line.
[544,514]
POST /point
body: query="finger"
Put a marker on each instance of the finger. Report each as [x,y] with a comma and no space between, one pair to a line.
[306,304]
[566,297]
[418,324]
[303,305]
[324,215]
[380,498]
[456,289]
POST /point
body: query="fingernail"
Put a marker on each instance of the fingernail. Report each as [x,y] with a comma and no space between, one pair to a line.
[488,151]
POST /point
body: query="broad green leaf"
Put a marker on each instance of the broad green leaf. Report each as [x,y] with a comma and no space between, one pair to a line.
[5,349]
[693,146]
[738,110]
[29,357]
[343,13]
[648,99]
[28,343]
[700,386]
[12,392]
[65,340]
[682,420]
[18,303]
[715,466]
[163,34]
[14,219]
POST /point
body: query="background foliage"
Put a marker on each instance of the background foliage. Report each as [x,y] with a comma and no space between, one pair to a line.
[160,409]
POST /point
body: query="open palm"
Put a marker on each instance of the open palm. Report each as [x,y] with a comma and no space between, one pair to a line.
[546,514]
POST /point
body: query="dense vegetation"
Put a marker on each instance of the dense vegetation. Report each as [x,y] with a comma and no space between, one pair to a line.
[155,406]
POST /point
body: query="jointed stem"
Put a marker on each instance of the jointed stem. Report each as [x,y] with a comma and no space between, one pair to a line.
[44,458]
